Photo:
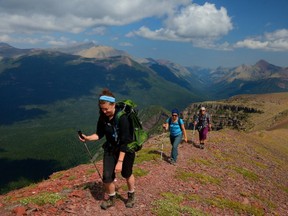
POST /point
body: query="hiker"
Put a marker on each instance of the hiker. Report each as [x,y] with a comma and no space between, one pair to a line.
[177,129]
[116,158]
[203,124]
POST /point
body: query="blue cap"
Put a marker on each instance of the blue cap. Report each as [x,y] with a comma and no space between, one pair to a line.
[175,111]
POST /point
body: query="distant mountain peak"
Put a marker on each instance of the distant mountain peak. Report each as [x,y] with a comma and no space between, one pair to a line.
[5,45]
[101,52]
[262,63]
[7,50]
[266,66]
[74,48]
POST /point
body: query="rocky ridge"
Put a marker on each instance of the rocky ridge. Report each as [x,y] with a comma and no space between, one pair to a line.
[243,112]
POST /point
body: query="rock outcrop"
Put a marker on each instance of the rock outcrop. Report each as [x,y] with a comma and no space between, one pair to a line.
[223,115]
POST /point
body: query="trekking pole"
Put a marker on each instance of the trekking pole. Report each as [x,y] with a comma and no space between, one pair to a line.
[193,135]
[162,145]
[161,150]
[80,134]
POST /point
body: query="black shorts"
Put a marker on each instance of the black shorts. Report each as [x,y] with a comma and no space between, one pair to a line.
[110,160]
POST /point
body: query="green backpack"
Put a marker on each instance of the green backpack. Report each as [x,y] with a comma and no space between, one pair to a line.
[127,107]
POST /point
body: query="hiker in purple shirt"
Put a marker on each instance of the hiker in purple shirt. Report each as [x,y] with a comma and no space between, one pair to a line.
[203,125]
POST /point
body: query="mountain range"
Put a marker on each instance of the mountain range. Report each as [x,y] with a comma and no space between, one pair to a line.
[43,76]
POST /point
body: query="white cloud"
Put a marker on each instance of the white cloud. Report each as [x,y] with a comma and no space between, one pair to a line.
[159,34]
[200,21]
[62,41]
[183,21]
[114,38]
[97,31]
[126,44]
[10,39]
[75,16]
[5,38]
[273,41]
[200,25]
[48,40]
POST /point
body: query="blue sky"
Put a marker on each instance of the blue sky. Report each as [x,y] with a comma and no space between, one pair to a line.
[208,33]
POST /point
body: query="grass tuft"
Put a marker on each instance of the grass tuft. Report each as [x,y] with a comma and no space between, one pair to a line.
[148,154]
[89,172]
[223,203]
[73,177]
[204,179]
[42,199]
[246,173]
[138,172]
[171,205]
[57,175]
[235,206]
[201,161]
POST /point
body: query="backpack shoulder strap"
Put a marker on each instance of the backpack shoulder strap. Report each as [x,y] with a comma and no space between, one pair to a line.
[179,122]
[208,118]
[118,115]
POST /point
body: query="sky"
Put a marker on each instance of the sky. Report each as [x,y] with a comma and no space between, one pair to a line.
[209,33]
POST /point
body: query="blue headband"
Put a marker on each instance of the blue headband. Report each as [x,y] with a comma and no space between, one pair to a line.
[107,98]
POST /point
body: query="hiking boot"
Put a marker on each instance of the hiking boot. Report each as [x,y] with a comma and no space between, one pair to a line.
[108,203]
[173,162]
[131,200]
[201,146]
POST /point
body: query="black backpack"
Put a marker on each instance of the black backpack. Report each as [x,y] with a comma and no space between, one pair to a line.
[127,107]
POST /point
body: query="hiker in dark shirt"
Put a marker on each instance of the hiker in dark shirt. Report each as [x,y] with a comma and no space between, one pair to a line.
[116,158]
[203,125]
[177,130]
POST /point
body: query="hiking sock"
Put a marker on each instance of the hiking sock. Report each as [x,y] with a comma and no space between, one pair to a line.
[131,200]
[113,194]
[110,202]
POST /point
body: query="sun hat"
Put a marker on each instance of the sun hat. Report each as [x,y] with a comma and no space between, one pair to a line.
[202,108]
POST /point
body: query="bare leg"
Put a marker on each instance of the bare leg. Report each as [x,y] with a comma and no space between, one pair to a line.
[109,188]
[131,183]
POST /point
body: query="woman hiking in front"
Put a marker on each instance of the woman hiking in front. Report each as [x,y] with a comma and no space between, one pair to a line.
[116,158]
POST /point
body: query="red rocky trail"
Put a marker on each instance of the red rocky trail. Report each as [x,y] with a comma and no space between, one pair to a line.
[236,174]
